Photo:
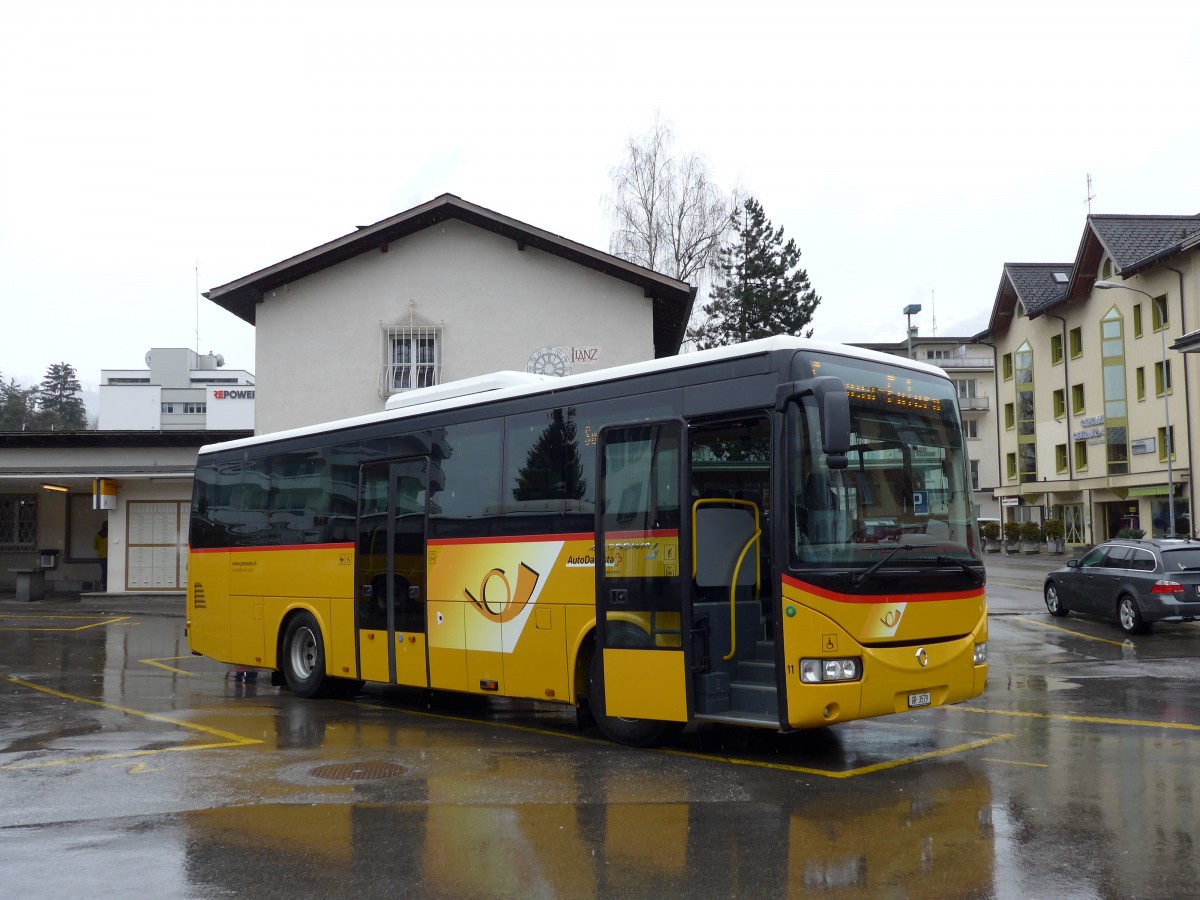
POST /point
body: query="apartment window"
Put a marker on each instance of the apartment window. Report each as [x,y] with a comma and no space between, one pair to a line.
[1060,403]
[971,428]
[1140,376]
[1116,407]
[974,474]
[1010,416]
[1060,458]
[1107,270]
[18,522]
[1056,348]
[1137,320]
[168,408]
[1166,438]
[1077,406]
[195,408]
[1161,316]
[937,354]
[1162,383]
[1081,456]
[1076,338]
[412,357]
[966,388]
[1010,465]
[1007,366]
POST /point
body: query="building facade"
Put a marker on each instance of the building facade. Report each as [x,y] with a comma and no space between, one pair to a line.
[444,291]
[180,390]
[971,365]
[1097,404]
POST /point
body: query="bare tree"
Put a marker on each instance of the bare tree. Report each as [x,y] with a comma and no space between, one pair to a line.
[667,214]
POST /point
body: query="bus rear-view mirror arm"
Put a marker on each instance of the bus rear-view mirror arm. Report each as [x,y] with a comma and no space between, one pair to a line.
[833,408]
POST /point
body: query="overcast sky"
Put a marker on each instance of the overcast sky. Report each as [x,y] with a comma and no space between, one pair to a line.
[911,149]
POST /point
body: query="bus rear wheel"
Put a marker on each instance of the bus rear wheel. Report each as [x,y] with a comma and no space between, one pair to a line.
[303,656]
[630,732]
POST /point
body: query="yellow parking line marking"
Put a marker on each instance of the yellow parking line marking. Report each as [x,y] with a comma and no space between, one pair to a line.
[230,739]
[108,620]
[849,773]
[1015,762]
[710,757]
[160,664]
[1076,633]
[1087,720]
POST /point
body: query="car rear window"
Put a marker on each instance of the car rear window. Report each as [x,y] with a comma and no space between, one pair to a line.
[1142,561]
[1185,558]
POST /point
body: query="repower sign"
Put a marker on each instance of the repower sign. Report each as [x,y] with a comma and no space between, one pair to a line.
[230,407]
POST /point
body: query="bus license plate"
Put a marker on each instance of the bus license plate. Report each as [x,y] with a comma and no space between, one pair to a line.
[915,700]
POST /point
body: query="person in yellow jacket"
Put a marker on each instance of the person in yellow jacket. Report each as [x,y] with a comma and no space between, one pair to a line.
[100,545]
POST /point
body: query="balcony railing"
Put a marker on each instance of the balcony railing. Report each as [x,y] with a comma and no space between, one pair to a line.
[963,362]
[974,403]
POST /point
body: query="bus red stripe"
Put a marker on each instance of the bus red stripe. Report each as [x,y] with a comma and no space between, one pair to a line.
[838,597]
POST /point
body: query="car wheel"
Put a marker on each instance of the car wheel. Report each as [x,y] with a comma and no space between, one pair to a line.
[1054,602]
[1129,617]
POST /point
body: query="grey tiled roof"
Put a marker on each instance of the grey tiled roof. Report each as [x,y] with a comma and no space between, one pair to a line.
[1130,240]
[1036,285]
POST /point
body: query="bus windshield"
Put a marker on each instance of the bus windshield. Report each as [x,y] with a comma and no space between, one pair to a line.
[906,486]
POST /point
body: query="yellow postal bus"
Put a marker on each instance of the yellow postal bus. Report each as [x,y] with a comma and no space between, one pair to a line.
[778,534]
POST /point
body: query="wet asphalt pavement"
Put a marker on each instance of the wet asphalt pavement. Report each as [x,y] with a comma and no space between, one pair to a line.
[129,767]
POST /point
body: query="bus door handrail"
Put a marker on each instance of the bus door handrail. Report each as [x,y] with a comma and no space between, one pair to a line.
[737,568]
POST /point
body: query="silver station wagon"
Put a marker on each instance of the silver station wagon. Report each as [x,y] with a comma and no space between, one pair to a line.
[1135,582]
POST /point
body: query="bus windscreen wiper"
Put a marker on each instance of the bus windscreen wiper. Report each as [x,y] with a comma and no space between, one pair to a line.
[867,573]
[969,569]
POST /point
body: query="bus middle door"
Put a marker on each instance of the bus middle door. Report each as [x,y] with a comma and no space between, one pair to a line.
[391,571]
[641,588]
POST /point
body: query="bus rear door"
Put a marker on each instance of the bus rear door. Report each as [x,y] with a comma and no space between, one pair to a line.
[391,573]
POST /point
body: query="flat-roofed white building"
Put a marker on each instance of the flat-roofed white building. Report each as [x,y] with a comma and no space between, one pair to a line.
[180,390]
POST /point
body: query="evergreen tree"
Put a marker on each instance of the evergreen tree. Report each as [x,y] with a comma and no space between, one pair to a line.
[553,469]
[760,291]
[59,400]
[18,407]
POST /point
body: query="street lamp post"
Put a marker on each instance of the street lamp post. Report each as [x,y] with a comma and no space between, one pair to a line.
[1110,285]
[911,310]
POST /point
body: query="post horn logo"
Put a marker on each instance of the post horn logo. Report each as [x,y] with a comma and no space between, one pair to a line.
[510,607]
[922,657]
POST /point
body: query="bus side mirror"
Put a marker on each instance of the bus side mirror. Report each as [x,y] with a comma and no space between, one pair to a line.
[833,409]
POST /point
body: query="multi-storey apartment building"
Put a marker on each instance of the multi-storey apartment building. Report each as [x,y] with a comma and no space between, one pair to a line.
[971,365]
[1097,415]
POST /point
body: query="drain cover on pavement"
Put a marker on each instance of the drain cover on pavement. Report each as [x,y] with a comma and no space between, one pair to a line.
[358,771]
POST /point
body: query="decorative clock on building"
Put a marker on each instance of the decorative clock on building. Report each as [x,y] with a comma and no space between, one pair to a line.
[549,361]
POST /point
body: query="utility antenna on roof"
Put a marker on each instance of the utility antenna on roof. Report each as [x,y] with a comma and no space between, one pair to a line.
[933,312]
[1090,196]
[197,307]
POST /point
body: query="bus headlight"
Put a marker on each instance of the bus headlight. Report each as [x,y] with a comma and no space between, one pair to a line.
[981,654]
[819,671]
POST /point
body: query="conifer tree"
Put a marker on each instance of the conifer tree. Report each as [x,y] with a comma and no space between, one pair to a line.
[60,401]
[760,290]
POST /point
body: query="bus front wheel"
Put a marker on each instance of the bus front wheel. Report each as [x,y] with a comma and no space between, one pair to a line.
[303,656]
[630,732]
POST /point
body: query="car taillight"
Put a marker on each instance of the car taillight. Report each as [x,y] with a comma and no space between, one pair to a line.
[1167,587]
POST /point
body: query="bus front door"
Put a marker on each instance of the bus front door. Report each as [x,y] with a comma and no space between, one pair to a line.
[641,589]
[390,570]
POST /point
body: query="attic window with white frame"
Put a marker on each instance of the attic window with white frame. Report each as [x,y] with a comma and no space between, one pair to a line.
[1061,278]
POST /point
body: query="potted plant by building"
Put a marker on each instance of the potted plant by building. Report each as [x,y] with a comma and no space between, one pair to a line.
[1031,537]
[1053,529]
[1010,534]
[990,532]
